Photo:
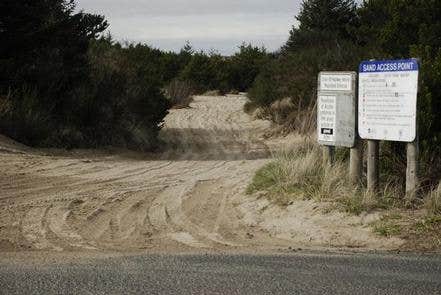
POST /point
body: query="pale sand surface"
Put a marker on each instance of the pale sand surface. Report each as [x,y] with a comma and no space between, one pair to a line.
[190,198]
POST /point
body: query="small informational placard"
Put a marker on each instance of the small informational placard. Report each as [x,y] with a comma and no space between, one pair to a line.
[336,109]
[387,100]
[335,82]
[327,117]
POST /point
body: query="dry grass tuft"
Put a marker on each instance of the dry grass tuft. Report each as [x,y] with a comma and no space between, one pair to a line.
[299,172]
[258,114]
[179,93]
[290,116]
[280,109]
[433,201]
[5,105]
[213,93]
[303,120]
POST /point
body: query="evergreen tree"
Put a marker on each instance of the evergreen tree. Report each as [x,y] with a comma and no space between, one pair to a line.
[44,44]
[321,21]
[246,65]
[43,59]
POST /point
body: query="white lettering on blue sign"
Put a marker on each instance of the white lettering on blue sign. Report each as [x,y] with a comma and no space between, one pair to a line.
[389,66]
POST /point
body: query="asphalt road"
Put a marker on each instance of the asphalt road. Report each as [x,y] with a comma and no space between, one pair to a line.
[310,273]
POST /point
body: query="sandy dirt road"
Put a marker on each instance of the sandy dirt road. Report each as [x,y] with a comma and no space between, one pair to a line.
[190,197]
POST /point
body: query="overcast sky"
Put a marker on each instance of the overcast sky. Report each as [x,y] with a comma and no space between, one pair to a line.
[207,24]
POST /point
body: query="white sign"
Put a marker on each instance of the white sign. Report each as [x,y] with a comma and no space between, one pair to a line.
[326,117]
[336,108]
[336,82]
[387,100]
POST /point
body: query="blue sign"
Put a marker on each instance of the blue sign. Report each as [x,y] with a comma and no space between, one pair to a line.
[401,65]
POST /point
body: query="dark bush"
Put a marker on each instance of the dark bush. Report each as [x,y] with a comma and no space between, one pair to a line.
[245,65]
[61,87]
[124,105]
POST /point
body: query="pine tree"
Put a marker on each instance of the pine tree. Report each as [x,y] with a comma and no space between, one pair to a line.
[44,43]
[321,20]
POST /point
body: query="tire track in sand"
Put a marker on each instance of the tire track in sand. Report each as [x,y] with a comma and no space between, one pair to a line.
[189,197]
[86,200]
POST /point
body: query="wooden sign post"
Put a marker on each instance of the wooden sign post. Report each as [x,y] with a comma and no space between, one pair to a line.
[356,155]
[412,170]
[329,155]
[373,161]
[356,162]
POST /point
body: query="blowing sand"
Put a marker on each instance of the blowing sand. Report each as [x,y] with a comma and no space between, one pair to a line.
[189,198]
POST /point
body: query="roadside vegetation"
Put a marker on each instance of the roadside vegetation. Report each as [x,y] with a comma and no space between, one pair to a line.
[299,173]
[337,35]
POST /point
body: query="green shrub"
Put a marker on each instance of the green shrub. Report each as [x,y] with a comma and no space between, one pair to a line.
[226,74]
[208,72]
[245,65]
[387,228]
[123,96]
[264,90]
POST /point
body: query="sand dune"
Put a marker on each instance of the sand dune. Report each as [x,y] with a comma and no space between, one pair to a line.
[190,197]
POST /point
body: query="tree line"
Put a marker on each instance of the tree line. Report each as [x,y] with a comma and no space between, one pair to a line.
[64,83]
